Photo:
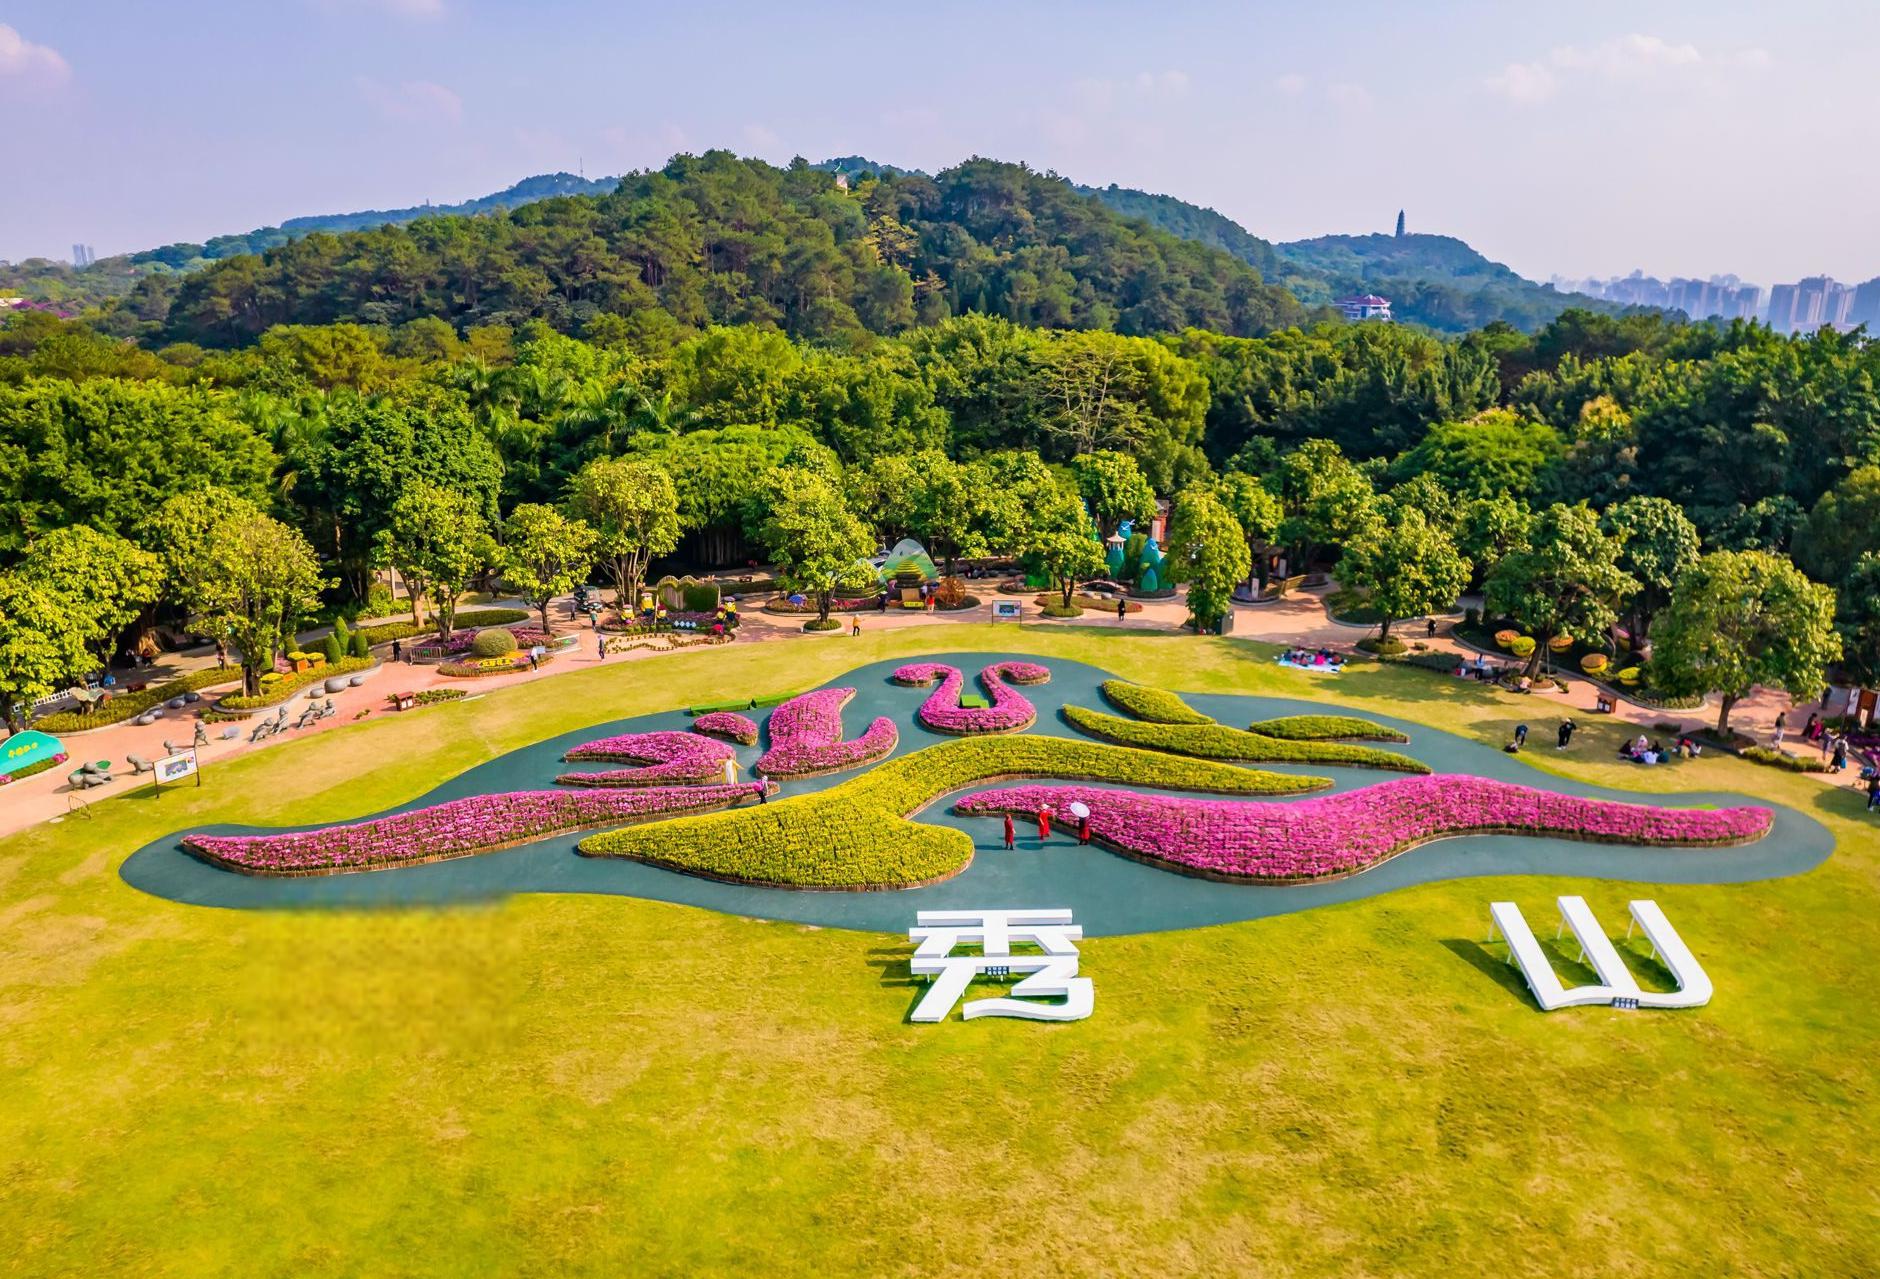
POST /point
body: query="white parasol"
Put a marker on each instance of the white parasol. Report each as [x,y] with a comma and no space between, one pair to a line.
[1079,809]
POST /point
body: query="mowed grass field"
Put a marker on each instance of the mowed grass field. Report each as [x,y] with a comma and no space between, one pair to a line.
[593,1085]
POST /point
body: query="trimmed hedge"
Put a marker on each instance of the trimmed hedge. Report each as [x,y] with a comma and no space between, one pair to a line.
[287,685]
[856,835]
[1217,741]
[1155,705]
[123,706]
[463,621]
[745,704]
[1779,759]
[1325,728]
[31,770]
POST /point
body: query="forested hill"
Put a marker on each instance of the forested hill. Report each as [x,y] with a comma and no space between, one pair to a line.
[75,289]
[542,186]
[1192,222]
[718,239]
[1436,280]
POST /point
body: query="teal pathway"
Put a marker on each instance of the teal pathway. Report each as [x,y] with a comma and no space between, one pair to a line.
[1109,894]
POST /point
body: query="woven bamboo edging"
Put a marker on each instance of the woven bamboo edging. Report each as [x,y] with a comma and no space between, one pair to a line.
[257,872]
[1284,881]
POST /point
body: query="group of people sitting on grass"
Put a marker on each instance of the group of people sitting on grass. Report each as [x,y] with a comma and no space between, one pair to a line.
[1643,750]
[1323,658]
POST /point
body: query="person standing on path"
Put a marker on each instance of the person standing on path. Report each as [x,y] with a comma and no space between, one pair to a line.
[398,650]
[1044,823]
[855,628]
[1782,727]
[1083,829]
[1011,834]
[1566,734]
[1432,628]
[600,648]
[1122,608]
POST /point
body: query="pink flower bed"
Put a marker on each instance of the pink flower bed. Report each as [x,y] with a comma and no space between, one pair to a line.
[669,759]
[476,824]
[806,737]
[729,725]
[1340,834]
[1010,711]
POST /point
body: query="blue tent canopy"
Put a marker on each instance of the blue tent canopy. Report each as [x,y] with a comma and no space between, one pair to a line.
[24,749]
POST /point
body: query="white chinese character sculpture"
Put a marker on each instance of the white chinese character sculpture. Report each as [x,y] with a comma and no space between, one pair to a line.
[1052,973]
[1617,986]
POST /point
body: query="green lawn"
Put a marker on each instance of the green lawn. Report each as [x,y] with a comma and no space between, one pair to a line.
[597,1085]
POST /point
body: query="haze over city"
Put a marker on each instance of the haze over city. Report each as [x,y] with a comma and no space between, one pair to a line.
[1683,139]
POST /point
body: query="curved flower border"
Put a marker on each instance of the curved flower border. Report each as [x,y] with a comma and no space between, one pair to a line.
[806,737]
[458,828]
[1343,834]
[1010,711]
[729,725]
[669,759]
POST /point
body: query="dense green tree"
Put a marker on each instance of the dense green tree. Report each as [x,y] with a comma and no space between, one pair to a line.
[1405,566]
[1487,530]
[1859,618]
[1738,619]
[1326,499]
[1207,550]
[633,509]
[1113,488]
[1491,455]
[1844,526]
[545,554]
[1657,545]
[42,645]
[1426,494]
[820,547]
[246,577]
[105,581]
[108,453]
[1255,509]
[437,540]
[354,456]
[1565,581]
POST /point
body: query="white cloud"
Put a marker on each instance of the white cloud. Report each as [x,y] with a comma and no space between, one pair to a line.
[1292,84]
[1524,82]
[423,9]
[1628,55]
[412,102]
[762,139]
[1169,84]
[26,63]
[1352,97]
[1635,58]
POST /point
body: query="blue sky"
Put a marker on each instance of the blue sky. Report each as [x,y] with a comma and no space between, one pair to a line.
[1683,138]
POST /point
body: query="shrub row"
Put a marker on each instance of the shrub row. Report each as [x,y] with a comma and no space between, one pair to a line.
[123,706]
[856,835]
[1217,741]
[287,685]
[1780,759]
[475,617]
[1325,728]
[29,770]
[1155,705]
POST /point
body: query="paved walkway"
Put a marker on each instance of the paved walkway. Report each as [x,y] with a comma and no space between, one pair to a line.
[1299,619]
